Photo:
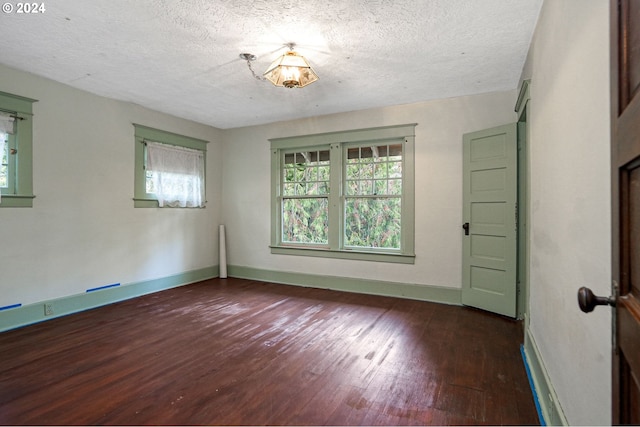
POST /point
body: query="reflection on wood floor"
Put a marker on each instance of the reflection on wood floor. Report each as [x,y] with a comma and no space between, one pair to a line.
[234,351]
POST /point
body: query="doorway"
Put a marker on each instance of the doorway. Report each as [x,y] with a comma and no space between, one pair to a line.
[495,220]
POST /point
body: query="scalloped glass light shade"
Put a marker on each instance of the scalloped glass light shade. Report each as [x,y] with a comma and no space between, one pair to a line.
[290,70]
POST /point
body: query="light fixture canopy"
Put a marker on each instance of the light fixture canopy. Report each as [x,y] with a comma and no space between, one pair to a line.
[290,70]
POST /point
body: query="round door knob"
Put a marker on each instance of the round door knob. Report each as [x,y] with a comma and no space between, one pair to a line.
[588,301]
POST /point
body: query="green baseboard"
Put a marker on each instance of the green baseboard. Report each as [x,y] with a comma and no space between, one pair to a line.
[548,400]
[34,313]
[347,284]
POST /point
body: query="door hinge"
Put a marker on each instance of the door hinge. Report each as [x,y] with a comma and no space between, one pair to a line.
[516,216]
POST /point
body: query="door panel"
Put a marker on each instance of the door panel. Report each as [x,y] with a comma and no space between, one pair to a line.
[488,247]
[490,194]
[625,158]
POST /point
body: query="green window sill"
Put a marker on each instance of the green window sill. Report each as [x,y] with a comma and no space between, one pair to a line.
[17,201]
[345,254]
[145,203]
[153,203]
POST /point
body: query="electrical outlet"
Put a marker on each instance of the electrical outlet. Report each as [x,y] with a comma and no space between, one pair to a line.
[48,308]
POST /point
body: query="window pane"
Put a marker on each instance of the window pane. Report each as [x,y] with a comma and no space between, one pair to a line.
[323,188]
[381,170]
[395,187]
[306,173]
[289,174]
[353,171]
[305,220]
[289,189]
[381,187]
[150,182]
[395,170]
[373,222]
[323,173]
[374,170]
[4,161]
[366,171]
[395,152]
[352,188]
[366,187]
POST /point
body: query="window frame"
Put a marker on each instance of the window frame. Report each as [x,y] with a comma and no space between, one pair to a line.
[338,143]
[20,195]
[345,197]
[141,198]
[326,196]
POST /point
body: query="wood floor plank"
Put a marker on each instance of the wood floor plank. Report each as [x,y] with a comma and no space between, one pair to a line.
[241,352]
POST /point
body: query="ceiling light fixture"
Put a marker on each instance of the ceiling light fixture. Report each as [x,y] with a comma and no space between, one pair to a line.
[289,70]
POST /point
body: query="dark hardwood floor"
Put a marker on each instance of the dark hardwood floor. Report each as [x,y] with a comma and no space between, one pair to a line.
[232,351]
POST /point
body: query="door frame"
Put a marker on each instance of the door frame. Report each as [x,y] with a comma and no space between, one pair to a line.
[615,210]
[522,199]
[522,274]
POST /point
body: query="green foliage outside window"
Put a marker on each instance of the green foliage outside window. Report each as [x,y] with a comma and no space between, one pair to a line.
[372,204]
[305,221]
[373,208]
[373,223]
[305,206]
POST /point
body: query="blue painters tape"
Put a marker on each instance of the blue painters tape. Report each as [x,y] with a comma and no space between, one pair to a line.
[103,287]
[532,386]
[7,307]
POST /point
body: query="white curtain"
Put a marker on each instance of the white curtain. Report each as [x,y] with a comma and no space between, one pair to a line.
[6,123]
[178,175]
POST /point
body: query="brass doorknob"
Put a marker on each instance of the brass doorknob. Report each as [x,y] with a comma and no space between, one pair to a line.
[588,301]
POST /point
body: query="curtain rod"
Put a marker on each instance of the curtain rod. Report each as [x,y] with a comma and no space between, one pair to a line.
[144,141]
[12,114]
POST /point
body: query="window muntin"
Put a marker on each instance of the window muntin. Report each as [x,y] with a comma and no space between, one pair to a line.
[370,174]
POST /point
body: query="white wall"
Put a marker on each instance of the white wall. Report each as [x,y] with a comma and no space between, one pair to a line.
[570,203]
[83,230]
[438,213]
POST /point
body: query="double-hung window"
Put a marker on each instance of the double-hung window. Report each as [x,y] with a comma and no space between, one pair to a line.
[373,195]
[305,197]
[16,147]
[170,169]
[345,194]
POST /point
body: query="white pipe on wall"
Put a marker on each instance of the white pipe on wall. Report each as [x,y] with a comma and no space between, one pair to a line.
[223,253]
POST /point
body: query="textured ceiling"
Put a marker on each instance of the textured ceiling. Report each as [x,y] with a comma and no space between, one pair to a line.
[182,56]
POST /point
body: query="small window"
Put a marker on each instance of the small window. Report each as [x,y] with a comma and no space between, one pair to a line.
[345,194]
[16,147]
[170,169]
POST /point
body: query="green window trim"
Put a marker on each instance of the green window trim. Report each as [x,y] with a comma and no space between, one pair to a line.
[337,143]
[22,195]
[141,198]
